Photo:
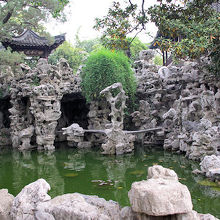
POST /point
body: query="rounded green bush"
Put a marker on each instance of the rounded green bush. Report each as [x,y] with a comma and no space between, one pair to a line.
[102,69]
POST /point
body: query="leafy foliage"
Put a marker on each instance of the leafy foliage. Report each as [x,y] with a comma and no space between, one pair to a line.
[158,60]
[120,22]
[196,22]
[12,59]
[215,58]
[89,45]
[17,15]
[96,44]
[135,47]
[74,56]
[102,69]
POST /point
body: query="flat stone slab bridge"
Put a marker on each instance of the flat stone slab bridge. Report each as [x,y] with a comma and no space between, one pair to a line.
[126,132]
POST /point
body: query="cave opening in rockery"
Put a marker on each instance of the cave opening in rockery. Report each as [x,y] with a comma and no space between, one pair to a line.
[5,105]
[4,113]
[74,110]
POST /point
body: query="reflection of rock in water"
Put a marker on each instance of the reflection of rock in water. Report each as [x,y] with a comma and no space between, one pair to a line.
[47,169]
[23,168]
[27,166]
[209,188]
[116,168]
[75,161]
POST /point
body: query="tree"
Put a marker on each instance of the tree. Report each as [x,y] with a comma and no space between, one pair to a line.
[17,15]
[119,23]
[89,45]
[196,25]
[74,56]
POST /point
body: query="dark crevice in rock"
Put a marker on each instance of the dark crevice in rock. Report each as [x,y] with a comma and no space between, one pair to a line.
[4,113]
[74,109]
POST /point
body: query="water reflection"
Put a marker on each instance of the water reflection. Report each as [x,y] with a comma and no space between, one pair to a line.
[69,170]
[23,167]
[75,161]
[48,170]
[116,168]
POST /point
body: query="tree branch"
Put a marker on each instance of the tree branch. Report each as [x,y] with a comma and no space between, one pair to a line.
[9,13]
[134,28]
[143,13]
[132,5]
[7,17]
[135,36]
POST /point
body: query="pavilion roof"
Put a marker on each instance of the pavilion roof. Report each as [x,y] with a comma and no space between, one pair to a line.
[30,39]
[32,44]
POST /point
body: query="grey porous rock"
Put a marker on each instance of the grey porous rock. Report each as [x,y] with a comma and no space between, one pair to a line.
[185,101]
[75,134]
[6,200]
[161,197]
[147,56]
[210,166]
[117,142]
[26,201]
[35,97]
[161,194]
[77,206]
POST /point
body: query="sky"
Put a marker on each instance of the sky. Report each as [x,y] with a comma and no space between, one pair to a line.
[81,16]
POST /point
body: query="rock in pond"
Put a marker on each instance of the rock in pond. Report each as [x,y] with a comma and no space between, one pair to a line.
[210,165]
[161,194]
[25,203]
[77,206]
[6,200]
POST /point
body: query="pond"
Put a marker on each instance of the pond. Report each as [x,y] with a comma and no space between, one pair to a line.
[69,170]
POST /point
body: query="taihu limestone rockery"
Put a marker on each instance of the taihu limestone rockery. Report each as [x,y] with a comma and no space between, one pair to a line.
[35,96]
[117,142]
[184,100]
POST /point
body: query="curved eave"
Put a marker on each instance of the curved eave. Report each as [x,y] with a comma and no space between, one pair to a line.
[34,41]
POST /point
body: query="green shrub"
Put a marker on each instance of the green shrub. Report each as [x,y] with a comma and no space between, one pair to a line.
[158,60]
[136,46]
[9,58]
[102,69]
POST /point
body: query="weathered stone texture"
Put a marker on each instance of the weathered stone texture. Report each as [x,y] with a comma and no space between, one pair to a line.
[25,203]
[78,206]
[35,99]
[210,166]
[162,194]
[161,197]
[117,142]
[185,101]
[6,201]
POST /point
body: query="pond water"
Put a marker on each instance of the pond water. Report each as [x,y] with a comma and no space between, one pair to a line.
[70,170]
